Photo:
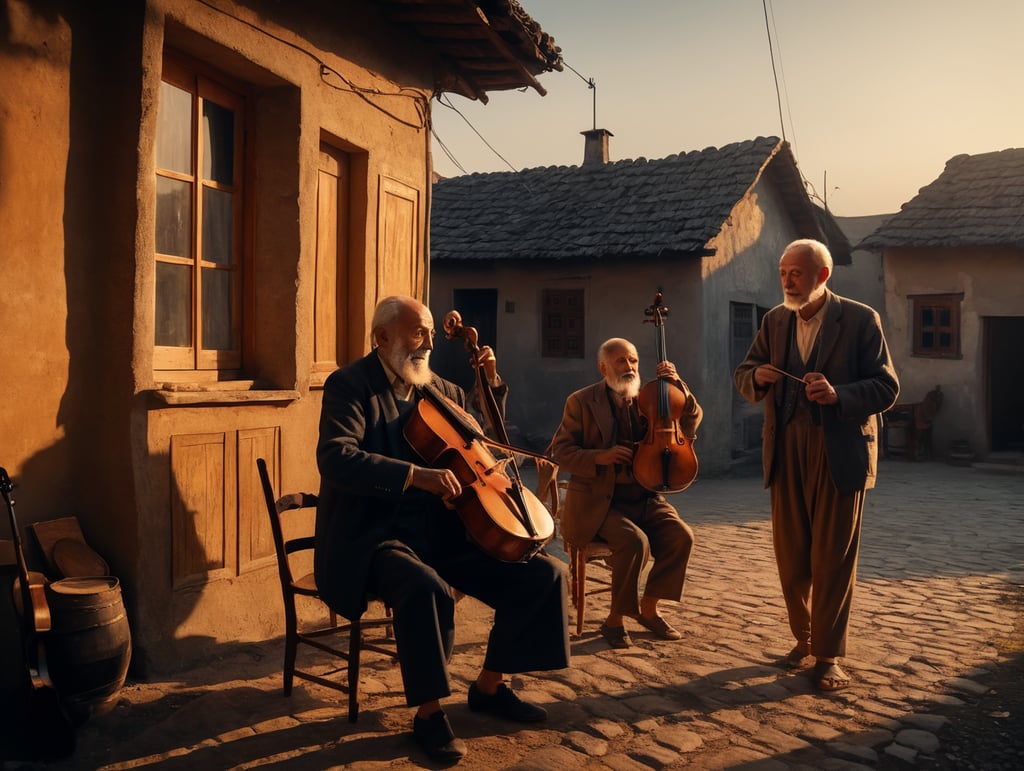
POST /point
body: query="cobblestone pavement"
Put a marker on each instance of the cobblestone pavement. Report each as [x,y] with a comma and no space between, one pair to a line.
[935,653]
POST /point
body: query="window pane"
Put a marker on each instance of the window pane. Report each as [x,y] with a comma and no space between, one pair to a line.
[217,226]
[944,317]
[927,317]
[217,309]
[173,217]
[218,143]
[173,305]
[174,130]
[927,340]
[945,341]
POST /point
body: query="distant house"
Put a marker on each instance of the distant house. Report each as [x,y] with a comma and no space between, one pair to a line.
[864,278]
[201,203]
[547,263]
[954,272]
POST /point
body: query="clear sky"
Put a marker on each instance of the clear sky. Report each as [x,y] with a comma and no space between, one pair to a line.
[876,95]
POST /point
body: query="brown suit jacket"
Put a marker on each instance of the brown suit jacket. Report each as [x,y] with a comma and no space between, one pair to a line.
[588,426]
[853,355]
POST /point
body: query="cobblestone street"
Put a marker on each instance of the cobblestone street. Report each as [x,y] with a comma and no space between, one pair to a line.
[937,628]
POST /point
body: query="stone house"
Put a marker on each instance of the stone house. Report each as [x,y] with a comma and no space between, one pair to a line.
[954,267]
[547,263]
[201,203]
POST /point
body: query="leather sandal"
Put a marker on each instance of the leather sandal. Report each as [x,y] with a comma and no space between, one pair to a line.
[617,636]
[658,626]
[829,676]
[800,652]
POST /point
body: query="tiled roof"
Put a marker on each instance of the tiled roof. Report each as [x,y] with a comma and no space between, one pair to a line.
[633,208]
[488,45]
[978,200]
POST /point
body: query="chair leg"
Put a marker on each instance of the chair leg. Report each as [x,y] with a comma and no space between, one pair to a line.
[355,647]
[579,587]
[291,646]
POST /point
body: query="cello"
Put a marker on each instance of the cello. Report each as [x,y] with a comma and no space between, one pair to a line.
[502,516]
[664,460]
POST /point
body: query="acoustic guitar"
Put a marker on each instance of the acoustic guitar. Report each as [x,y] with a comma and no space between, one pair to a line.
[49,731]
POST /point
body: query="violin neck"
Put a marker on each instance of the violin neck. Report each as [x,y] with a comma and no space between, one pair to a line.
[660,339]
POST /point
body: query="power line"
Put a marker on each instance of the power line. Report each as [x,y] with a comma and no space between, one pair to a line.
[771,52]
[443,100]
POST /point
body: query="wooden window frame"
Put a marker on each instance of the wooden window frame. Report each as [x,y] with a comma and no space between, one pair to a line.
[923,331]
[739,344]
[202,83]
[556,341]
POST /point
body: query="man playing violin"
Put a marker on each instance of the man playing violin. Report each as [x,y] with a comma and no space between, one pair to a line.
[385,528]
[595,443]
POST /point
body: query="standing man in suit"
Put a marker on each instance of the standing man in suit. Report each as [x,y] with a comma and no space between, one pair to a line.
[384,527]
[821,366]
[595,443]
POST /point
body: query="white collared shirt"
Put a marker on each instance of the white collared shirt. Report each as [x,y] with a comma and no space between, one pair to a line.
[807,331]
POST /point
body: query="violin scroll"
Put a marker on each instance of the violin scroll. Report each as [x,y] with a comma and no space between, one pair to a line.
[656,309]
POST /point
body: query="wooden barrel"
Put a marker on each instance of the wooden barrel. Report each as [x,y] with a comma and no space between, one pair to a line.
[89,644]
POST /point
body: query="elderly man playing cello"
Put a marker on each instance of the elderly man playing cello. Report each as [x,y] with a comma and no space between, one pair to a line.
[384,528]
[595,444]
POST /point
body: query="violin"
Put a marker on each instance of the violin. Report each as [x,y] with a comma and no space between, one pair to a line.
[664,460]
[502,516]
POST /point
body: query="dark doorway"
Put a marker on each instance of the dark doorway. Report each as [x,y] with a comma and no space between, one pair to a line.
[1005,370]
[479,309]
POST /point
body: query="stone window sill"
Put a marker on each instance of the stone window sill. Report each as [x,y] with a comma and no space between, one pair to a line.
[228,392]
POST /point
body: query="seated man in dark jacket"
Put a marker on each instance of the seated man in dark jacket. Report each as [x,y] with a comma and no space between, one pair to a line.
[384,528]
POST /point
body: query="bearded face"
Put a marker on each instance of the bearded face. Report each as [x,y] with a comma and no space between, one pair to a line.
[626,385]
[620,367]
[801,278]
[413,366]
[797,302]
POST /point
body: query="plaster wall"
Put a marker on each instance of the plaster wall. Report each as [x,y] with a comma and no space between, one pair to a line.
[90,425]
[615,298]
[990,281]
[744,269]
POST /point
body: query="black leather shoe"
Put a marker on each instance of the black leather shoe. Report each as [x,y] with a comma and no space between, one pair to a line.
[504,703]
[434,735]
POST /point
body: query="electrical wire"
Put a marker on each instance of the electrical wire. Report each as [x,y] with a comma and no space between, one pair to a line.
[775,74]
[444,101]
[365,93]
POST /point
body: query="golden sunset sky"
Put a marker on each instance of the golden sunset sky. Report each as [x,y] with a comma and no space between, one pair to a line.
[876,95]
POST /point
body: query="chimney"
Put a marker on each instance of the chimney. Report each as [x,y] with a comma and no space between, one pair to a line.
[595,148]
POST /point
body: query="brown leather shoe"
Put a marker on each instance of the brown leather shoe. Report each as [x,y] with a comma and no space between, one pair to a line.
[659,626]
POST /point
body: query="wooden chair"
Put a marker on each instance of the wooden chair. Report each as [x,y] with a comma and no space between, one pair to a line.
[549,487]
[579,558]
[913,423]
[290,550]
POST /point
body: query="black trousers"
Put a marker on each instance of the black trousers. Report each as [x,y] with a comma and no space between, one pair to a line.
[530,631]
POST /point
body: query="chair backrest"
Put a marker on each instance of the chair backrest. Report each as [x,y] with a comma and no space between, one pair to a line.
[547,484]
[276,508]
[929,408]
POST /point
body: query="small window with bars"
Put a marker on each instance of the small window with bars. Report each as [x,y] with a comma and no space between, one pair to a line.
[562,323]
[937,325]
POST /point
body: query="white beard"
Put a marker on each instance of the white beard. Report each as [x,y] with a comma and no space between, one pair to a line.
[795,304]
[626,385]
[413,367]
